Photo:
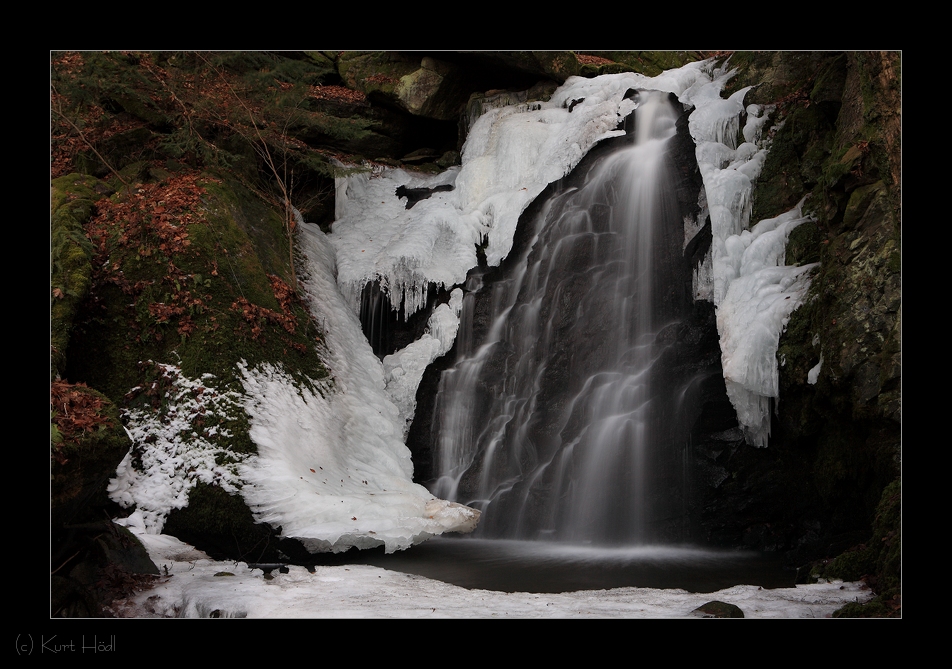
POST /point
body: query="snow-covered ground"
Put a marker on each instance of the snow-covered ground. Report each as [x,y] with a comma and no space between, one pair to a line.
[199,587]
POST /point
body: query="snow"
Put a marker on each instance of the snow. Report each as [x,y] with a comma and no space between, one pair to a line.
[814,374]
[197,587]
[173,456]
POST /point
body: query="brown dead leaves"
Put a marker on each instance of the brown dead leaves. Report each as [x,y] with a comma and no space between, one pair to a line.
[586,59]
[154,219]
[76,411]
[153,222]
[255,315]
[338,94]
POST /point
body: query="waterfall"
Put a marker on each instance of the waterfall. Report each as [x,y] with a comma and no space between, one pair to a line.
[554,422]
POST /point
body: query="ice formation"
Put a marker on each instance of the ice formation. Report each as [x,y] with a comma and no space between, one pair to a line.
[753,314]
[404,369]
[332,469]
[752,289]
[511,154]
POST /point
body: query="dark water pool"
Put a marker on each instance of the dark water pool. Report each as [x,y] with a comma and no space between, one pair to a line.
[525,566]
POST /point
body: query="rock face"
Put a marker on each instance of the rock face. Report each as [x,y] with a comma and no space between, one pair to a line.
[836,438]
[422,86]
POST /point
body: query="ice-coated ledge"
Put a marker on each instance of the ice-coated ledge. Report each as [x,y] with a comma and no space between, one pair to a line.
[752,289]
[404,369]
[199,588]
[332,469]
[511,154]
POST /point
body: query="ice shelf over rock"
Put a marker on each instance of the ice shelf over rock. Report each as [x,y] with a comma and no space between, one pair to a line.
[752,316]
[753,291]
[511,154]
[332,469]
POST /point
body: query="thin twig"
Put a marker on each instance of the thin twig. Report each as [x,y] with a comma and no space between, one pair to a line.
[185,111]
[261,147]
[67,560]
[58,110]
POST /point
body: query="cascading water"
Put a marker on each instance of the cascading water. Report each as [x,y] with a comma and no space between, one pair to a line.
[554,423]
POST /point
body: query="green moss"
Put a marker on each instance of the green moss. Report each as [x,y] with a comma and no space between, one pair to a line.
[794,163]
[81,190]
[859,203]
[72,200]
[829,81]
[244,238]
[803,245]
[851,565]
[591,70]
[879,561]
[878,607]
[222,525]
[86,454]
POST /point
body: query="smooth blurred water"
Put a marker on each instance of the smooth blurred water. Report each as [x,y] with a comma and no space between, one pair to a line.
[555,423]
[539,566]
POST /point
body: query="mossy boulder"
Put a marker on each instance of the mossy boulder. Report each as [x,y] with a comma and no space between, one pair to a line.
[221,524]
[419,85]
[717,609]
[189,270]
[878,561]
[72,200]
[192,276]
[87,444]
[103,562]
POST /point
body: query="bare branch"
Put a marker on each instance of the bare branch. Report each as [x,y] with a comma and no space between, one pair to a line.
[261,147]
[58,110]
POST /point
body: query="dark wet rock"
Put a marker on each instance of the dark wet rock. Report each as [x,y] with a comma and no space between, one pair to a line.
[716,609]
